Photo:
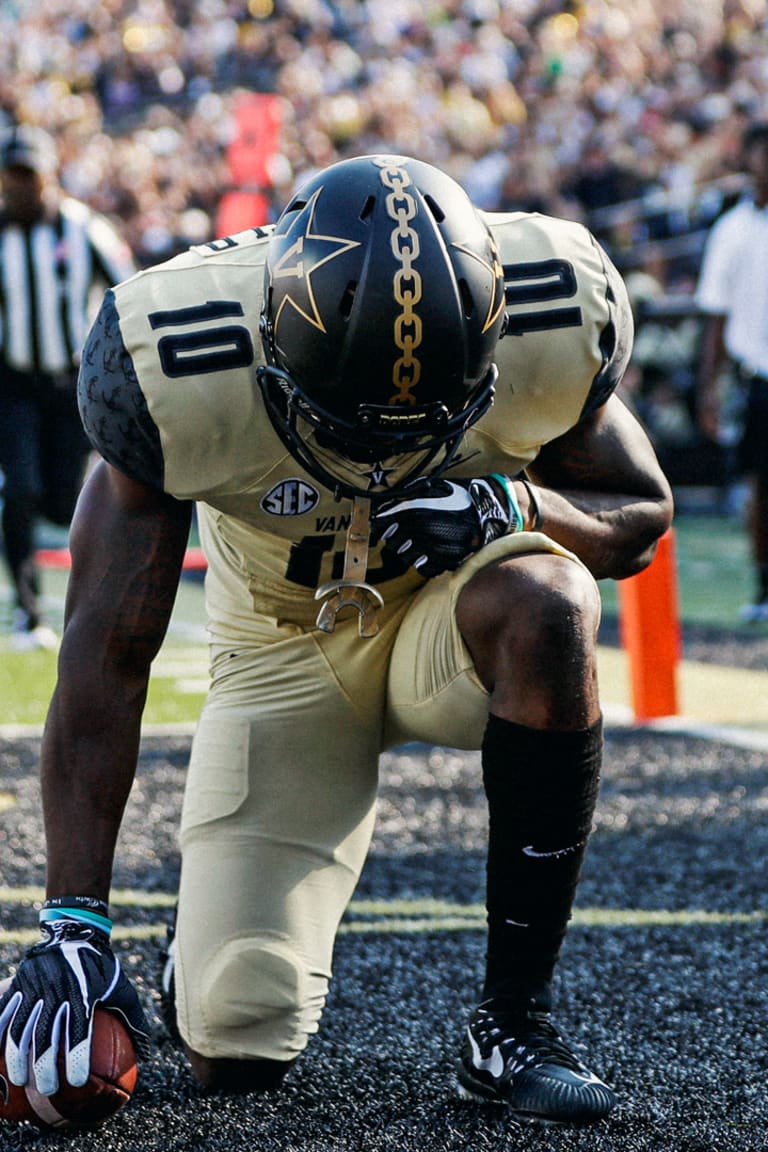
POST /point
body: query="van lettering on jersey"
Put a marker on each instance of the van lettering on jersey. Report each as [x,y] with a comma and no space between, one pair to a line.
[332,523]
[290,498]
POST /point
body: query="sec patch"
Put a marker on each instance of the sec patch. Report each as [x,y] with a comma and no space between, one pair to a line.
[291,497]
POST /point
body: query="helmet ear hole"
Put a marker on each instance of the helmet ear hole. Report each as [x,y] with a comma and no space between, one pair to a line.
[347,299]
[434,208]
[467,303]
[367,209]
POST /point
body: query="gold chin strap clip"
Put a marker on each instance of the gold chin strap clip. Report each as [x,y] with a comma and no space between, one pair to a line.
[352,591]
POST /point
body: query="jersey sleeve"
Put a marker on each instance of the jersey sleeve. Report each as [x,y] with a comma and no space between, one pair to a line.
[112,405]
[569,330]
[616,338]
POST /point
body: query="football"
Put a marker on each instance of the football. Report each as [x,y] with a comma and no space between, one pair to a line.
[109,1087]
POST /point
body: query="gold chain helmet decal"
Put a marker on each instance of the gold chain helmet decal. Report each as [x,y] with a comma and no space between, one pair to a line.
[401,207]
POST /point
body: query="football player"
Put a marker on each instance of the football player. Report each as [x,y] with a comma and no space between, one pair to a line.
[398,421]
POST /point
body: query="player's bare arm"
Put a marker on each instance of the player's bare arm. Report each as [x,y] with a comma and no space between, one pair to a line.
[712,358]
[127,545]
[603,494]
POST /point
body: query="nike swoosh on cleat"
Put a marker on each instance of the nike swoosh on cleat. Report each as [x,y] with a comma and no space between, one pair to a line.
[529,850]
[493,1063]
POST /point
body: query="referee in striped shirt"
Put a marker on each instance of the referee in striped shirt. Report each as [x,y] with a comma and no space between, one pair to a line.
[54,253]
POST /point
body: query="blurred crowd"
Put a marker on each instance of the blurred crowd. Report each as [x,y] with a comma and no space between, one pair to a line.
[626,114]
[568,107]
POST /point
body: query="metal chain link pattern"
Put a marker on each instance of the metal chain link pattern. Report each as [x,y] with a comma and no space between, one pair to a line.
[407,284]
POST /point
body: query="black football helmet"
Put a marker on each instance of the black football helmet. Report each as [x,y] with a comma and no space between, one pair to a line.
[383,303]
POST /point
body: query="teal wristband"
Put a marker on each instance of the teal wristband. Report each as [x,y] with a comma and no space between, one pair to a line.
[92,919]
[516,516]
[83,909]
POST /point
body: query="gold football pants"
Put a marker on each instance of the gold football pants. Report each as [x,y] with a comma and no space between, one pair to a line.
[280,803]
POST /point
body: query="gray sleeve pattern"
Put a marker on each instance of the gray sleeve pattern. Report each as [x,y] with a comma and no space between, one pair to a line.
[616,339]
[112,405]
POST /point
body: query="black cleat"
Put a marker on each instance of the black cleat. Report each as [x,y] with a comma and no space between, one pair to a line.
[516,1056]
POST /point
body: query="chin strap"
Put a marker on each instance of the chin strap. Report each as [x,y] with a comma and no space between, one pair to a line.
[352,591]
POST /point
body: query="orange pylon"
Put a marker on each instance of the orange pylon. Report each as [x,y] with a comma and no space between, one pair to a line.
[650,633]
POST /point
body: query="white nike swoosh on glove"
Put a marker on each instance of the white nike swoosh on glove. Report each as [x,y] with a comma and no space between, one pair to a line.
[457,501]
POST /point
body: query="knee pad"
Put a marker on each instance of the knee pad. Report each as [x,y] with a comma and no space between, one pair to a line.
[257,999]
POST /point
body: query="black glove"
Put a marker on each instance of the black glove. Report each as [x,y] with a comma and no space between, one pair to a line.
[52,998]
[438,523]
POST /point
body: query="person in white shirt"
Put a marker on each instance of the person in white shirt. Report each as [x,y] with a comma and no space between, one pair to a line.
[733,292]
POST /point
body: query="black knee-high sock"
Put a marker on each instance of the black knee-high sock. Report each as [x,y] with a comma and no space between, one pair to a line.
[542,789]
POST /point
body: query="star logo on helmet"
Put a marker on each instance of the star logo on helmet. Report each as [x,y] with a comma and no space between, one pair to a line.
[297,255]
[496,277]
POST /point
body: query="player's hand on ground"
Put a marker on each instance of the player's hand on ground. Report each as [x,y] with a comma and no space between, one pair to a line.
[438,523]
[51,1000]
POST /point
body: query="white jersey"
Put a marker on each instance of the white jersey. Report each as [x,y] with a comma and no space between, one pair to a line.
[168,395]
[733,282]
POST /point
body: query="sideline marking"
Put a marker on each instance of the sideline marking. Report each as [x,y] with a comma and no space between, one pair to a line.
[621,717]
[391,916]
[119,897]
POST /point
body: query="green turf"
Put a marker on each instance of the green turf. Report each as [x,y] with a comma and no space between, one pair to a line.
[27,681]
[714,572]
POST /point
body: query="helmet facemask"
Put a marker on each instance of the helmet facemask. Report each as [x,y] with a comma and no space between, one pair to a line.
[368,457]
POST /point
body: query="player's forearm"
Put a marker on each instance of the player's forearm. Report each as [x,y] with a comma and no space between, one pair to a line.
[88,763]
[127,547]
[711,361]
[712,354]
[614,535]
